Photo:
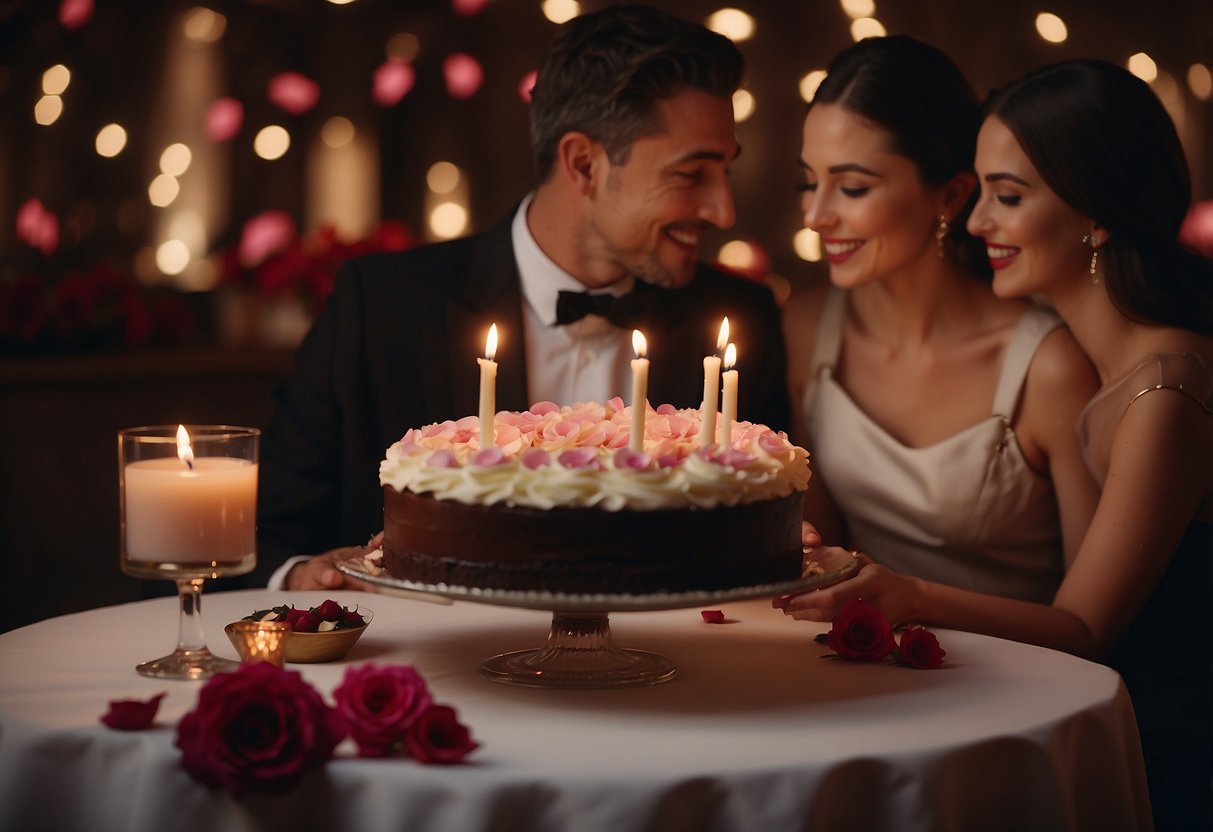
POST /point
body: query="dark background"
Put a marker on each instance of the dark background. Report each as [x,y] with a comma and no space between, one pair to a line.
[61,403]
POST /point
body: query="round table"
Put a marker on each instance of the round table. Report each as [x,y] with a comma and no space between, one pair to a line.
[758,730]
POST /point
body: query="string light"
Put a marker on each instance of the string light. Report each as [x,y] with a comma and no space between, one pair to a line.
[48,109]
[272,142]
[1051,27]
[442,177]
[743,105]
[809,84]
[561,11]
[858,8]
[807,245]
[1143,66]
[1200,81]
[734,24]
[111,140]
[175,160]
[56,79]
[866,27]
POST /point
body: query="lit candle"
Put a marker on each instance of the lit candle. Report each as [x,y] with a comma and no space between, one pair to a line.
[260,641]
[728,402]
[640,390]
[187,510]
[711,388]
[488,388]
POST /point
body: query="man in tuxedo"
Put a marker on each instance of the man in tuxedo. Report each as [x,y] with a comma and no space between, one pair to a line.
[632,134]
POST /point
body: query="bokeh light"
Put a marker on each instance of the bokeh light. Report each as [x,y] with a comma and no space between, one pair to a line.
[561,11]
[1051,27]
[202,25]
[807,244]
[175,160]
[448,220]
[463,75]
[111,140]
[403,46]
[272,142]
[172,256]
[810,82]
[56,79]
[743,105]
[1200,81]
[1143,66]
[866,27]
[443,177]
[163,190]
[858,8]
[48,109]
[734,24]
[337,132]
[737,254]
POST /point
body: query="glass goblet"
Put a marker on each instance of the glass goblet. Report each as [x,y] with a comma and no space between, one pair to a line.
[188,506]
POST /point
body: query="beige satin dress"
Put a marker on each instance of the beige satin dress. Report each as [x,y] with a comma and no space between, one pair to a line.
[967,511]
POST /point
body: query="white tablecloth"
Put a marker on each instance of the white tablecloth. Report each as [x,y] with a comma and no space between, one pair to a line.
[757,732]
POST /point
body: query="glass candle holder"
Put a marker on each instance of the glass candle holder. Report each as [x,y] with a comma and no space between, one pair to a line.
[260,641]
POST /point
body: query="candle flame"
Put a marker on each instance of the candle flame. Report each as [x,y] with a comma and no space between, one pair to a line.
[723,338]
[639,344]
[184,452]
[730,356]
[490,343]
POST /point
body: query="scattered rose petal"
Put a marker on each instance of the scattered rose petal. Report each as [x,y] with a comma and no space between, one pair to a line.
[712,616]
[132,714]
[38,226]
[224,118]
[293,92]
[467,8]
[463,75]
[392,81]
[264,235]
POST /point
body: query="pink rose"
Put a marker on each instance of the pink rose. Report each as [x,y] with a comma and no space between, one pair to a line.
[578,458]
[861,632]
[132,714]
[260,728]
[919,649]
[536,458]
[636,460]
[437,736]
[489,457]
[379,704]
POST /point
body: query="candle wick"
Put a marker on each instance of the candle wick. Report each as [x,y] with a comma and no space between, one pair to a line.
[189,463]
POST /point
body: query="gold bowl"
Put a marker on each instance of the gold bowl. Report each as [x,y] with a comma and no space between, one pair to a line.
[310,648]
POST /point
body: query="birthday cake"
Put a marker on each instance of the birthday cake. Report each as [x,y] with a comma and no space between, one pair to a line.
[560,503]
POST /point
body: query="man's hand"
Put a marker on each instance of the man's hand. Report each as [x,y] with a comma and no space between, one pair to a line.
[319,572]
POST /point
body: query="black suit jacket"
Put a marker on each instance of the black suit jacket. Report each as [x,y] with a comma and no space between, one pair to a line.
[396,347]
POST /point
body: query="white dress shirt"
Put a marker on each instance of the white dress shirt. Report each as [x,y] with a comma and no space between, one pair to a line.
[588,360]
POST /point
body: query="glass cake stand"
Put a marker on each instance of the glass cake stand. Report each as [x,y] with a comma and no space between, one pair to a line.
[580,651]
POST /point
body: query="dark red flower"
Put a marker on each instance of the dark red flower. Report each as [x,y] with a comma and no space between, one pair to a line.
[919,649]
[437,736]
[132,714]
[861,632]
[303,621]
[379,704]
[260,728]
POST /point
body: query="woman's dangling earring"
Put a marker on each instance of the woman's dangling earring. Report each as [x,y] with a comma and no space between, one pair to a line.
[1094,240]
[941,233]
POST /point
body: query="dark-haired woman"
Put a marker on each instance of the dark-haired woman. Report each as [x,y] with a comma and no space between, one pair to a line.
[1084,187]
[939,417]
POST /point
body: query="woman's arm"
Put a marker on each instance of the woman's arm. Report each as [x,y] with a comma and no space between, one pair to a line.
[1159,476]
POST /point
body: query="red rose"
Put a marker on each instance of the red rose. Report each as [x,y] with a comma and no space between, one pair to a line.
[437,736]
[861,632]
[257,729]
[920,649]
[132,714]
[379,704]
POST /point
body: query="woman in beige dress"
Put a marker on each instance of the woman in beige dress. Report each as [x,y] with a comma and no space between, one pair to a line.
[938,416]
[1084,186]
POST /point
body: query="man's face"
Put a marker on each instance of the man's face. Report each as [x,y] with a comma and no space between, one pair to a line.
[647,215]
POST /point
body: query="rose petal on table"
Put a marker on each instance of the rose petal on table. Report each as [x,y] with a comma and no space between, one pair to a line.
[132,714]
[712,616]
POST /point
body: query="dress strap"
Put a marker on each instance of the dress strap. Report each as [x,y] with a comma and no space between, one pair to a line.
[1031,330]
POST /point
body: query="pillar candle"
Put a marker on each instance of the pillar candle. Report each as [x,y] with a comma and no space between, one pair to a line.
[711,388]
[488,388]
[640,390]
[728,402]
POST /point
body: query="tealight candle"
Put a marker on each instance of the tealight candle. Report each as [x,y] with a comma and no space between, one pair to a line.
[711,388]
[261,641]
[488,388]
[728,402]
[640,388]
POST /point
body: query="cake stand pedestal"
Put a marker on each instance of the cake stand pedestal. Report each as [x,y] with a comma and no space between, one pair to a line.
[580,651]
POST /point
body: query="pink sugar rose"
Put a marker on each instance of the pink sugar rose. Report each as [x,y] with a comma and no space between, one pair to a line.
[669,461]
[735,459]
[488,457]
[132,714]
[379,704]
[773,443]
[535,458]
[260,728]
[666,409]
[595,434]
[442,459]
[437,736]
[543,408]
[562,434]
[509,439]
[578,458]
[635,460]
[613,405]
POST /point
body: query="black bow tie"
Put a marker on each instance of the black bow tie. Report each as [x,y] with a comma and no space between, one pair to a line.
[625,311]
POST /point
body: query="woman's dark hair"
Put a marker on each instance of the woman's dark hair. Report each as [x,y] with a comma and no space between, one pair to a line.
[1103,142]
[606,71]
[922,99]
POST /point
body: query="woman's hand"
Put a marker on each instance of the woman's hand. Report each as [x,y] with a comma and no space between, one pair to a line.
[893,594]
